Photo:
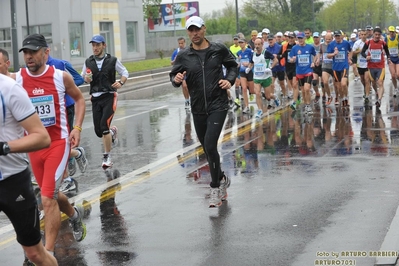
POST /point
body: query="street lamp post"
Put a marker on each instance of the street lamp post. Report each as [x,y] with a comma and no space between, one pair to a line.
[354,7]
[14,39]
[314,23]
[174,19]
[237,21]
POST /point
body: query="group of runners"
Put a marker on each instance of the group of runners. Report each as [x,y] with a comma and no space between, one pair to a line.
[35,100]
[307,63]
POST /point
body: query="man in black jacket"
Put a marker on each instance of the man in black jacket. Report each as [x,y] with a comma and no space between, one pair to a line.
[201,66]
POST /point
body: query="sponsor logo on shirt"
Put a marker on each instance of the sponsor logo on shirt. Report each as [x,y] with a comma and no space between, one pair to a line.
[38,91]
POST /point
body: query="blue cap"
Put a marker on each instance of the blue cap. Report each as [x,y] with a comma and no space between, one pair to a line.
[300,35]
[316,34]
[97,39]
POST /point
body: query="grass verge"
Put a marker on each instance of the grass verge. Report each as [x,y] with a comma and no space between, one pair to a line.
[148,64]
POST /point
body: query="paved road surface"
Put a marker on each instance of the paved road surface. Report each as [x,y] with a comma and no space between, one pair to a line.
[302,188]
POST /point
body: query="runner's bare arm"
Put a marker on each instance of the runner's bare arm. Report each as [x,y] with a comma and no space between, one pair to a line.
[36,139]
[80,107]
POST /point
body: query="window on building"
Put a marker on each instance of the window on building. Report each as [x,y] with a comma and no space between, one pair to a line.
[131,36]
[76,46]
[44,30]
[5,39]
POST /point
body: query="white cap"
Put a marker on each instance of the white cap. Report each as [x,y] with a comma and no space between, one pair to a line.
[279,34]
[286,33]
[194,21]
[265,30]
[397,29]
[353,35]
[324,33]
[355,30]
[259,35]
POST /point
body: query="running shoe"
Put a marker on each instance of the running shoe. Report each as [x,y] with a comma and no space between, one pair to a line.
[71,166]
[290,94]
[27,262]
[263,95]
[187,105]
[237,102]
[317,97]
[251,97]
[378,103]
[215,198]
[224,184]
[323,99]
[293,106]
[69,185]
[366,100]
[277,101]
[329,100]
[308,109]
[78,227]
[395,92]
[246,110]
[114,130]
[107,161]
[81,160]
[231,104]
[259,114]
[336,101]
[356,78]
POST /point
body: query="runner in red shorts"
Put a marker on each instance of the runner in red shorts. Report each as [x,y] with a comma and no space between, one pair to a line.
[46,87]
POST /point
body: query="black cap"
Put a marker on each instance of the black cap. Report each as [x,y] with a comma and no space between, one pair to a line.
[291,34]
[337,32]
[34,42]
[270,37]
[368,27]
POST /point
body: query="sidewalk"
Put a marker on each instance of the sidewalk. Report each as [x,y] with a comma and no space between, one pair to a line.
[137,80]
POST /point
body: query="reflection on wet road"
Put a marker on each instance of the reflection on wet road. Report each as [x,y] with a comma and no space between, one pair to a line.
[300,184]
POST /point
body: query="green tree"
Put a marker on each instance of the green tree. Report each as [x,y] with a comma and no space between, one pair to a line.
[349,15]
[278,15]
[151,8]
[224,21]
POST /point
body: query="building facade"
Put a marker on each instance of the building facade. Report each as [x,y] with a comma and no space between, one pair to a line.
[68,26]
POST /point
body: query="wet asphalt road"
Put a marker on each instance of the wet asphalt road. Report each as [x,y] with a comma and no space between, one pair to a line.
[302,188]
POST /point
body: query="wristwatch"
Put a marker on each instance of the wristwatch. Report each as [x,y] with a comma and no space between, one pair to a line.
[120,82]
[6,148]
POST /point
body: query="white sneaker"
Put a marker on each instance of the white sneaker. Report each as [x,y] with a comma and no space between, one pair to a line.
[246,110]
[107,161]
[277,101]
[114,130]
[395,92]
[71,166]
[259,114]
[308,110]
[224,185]
[81,160]
[69,185]
[215,198]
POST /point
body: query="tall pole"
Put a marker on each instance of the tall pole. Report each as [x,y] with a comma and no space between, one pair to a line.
[237,21]
[354,7]
[14,38]
[383,15]
[27,17]
[174,21]
[314,23]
